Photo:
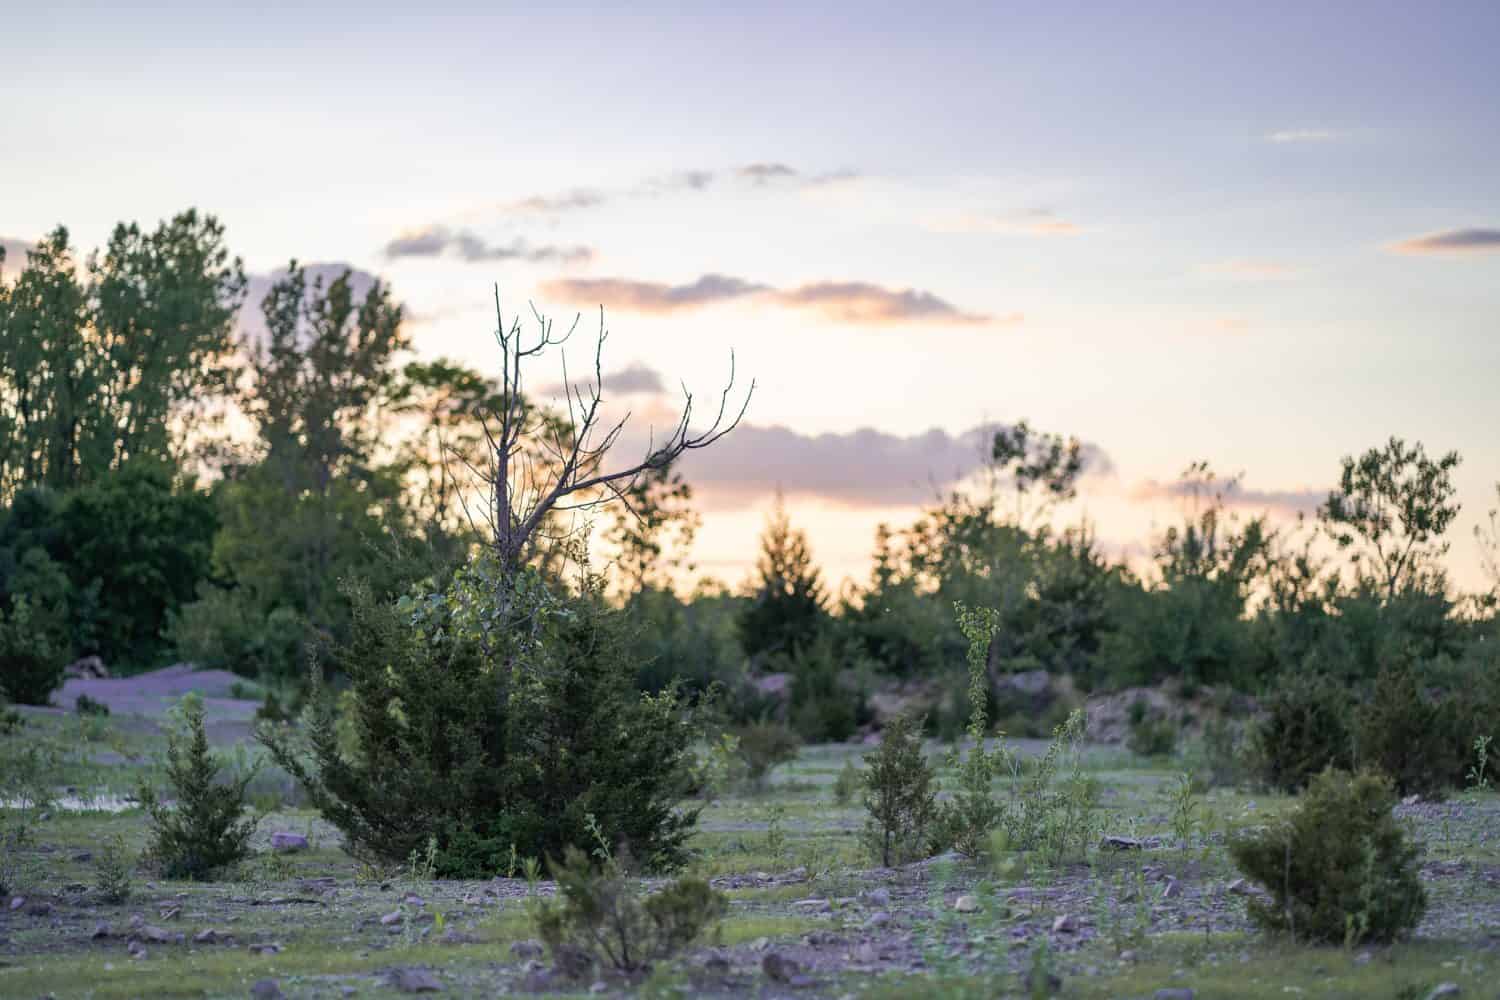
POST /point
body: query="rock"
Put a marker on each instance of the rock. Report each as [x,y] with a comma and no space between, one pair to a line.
[1364,958]
[866,954]
[416,981]
[912,697]
[775,686]
[814,905]
[264,948]
[40,908]
[1031,691]
[1127,955]
[136,949]
[287,842]
[1174,993]
[206,936]
[880,918]
[598,986]
[171,912]
[1444,990]
[1065,924]
[87,668]
[16,902]
[779,968]
[84,857]
[155,935]
[879,897]
[526,949]
[1240,887]
[1052,985]
[266,989]
[966,904]
[716,965]
[412,899]
[1171,890]
[100,931]
[1114,843]
[392,919]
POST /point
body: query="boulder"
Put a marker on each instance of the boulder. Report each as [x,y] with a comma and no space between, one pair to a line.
[87,668]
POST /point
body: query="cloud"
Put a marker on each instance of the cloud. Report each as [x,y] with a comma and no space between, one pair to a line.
[855,302]
[1032,224]
[649,296]
[435,241]
[1304,135]
[859,302]
[1252,270]
[635,379]
[753,175]
[1451,241]
[1287,503]
[860,468]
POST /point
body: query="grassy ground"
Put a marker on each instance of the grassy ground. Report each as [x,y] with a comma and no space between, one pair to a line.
[801,887]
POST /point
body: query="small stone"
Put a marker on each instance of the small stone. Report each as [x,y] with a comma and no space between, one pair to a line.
[83,857]
[598,986]
[879,897]
[1171,890]
[155,935]
[1442,990]
[412,899]
[878,919]
[416,981]
[264,948]
[797,875]
[1065,924]
[392,919]
[136,949]
[966,904]
[813,905]
[1114,843]
[100,931]
[1174,993]
[206,936]
[40,908]
[1364,958]
[779,968]
[266,989]
[716,965]
[171,912]
[526,949]
[1240,887]
[866,954]
[1127,955]
[16,902]
[287,842]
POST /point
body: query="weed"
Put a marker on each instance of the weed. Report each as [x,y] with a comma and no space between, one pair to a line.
[1478,780]
[967,819]
[847,783]
[1184,810]
[113,869]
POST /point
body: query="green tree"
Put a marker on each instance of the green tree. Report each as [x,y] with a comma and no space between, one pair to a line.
[789,606]
[653,529]
[1390,510]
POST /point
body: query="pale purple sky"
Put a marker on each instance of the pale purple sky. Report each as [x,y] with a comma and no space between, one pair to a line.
[1262,234]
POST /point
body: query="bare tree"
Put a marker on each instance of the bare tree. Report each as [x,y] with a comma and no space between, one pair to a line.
[540,463]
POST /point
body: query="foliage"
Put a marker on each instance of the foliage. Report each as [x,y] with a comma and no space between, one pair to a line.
[113,871]
[967,818]
[1390,509]
[204,829]
[1220,758]
[764,744]
[690,643]
[848,781]
[1413,739]
[899,795]
[599,917]
[84,705]
[223,630]
[1050,813]
[112,360]
[1151,734]
[653,530]
[788,607]
[1339,868]
[28,775]
[827,704]
[31,659]
[1306,728]
[495,714]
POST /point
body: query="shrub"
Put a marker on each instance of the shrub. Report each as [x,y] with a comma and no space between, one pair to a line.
[1339,868]
[825,707]
[224,630]
[28,774]
[31,657]
[1414,740]
[1050,815]
[599,918]
[763,745]
[205,829]
[966,820]
[84,705]
[1151,734]
[899,795]
[113,870]
[847,783]
[1219,759]
[494,716]
[1305,730]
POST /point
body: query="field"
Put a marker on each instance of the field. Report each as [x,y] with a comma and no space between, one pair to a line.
[808,916]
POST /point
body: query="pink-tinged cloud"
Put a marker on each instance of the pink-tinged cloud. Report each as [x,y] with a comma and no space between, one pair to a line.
[1252,270]
[1303,135]
[438,241]
[1452,241]
[752,175]
[1288,503]
[1034,224]
[861,303]
[649,296]
[854,302]
[635,379]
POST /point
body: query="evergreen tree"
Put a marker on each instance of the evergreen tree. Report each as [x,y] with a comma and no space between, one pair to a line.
[789,607]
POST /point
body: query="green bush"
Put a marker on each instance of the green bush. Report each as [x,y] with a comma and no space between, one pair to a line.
[825,708]
[900,795]
[31,657]
[84,705]
[1305,729]
[599,917]
[494,716]
[204,830]
[763,745]
[1151,734]
[113,869]
[1415,740]
[223,630]
[847,783]
[1339,868]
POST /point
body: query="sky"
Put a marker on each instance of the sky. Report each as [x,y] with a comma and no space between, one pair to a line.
[1262,235]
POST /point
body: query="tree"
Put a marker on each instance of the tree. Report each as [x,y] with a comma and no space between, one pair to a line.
[98,371]
[1391,507]
[789,607]
[653,529]
[1048,464]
